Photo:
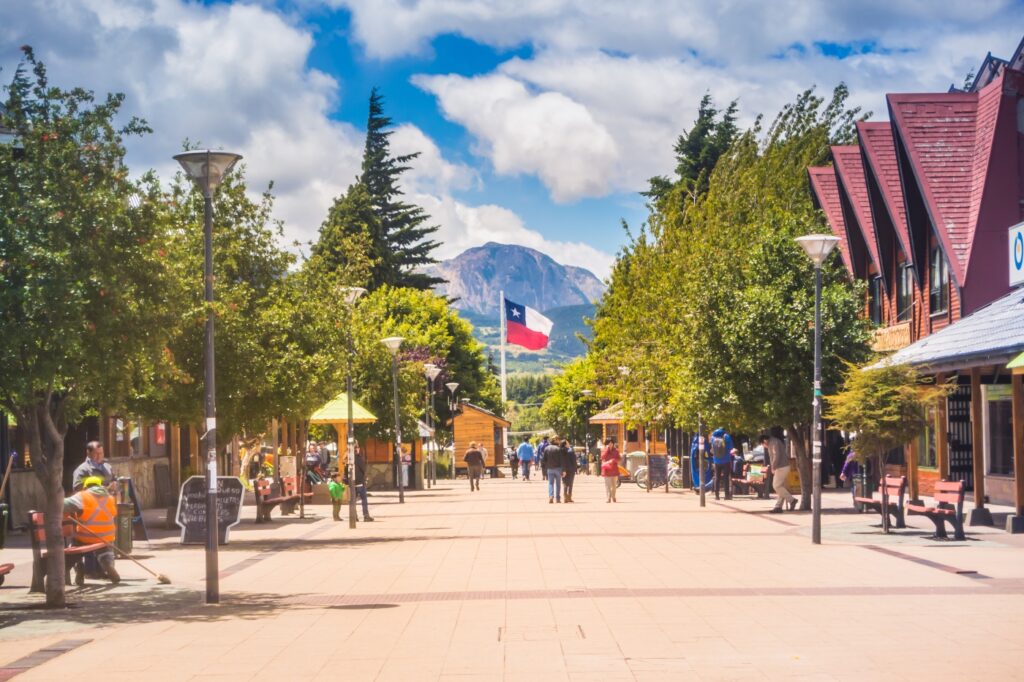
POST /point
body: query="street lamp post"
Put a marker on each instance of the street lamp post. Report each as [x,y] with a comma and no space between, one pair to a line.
[394,343]
[453,405]
[207,169]
[350,295]
[817,247]
[432,372]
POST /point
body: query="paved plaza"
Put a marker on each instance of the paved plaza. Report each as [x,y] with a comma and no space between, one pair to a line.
[499,584]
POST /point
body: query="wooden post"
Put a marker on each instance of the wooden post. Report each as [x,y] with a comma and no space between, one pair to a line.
[1017,389]
[941,435]
[979,515]
[911,451]
[175,456]
[193,443]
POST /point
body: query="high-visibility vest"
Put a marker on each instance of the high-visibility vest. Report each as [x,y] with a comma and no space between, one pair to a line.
[99,516]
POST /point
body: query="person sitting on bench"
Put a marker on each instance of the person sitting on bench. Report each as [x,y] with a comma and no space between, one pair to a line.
[95,512]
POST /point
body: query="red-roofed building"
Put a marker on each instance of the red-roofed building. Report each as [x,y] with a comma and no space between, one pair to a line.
[923,204]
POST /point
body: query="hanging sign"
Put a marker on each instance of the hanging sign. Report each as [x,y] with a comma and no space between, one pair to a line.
[1017,255]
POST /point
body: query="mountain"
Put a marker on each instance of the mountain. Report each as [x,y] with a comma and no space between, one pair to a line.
[476,276]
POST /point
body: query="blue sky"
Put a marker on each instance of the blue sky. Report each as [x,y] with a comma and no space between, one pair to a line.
[539,121]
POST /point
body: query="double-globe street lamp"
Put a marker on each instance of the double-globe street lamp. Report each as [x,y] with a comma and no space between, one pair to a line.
[350,295]
[431,371]
[394,344]
[453,406]
[817,247]
[207,169]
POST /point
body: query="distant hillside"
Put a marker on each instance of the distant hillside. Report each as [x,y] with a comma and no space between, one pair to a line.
[475,277]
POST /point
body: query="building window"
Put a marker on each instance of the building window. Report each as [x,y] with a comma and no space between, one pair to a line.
[632,436]
[875,300]
[904,292]
[938,282]
[998,424]
[612,431]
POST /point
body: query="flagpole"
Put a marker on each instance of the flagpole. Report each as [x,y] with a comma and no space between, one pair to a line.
[504,395]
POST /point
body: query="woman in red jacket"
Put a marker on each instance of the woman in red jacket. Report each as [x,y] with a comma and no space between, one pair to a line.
[610,469]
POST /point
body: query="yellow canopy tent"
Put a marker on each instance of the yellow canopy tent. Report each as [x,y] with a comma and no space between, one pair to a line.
[335,413]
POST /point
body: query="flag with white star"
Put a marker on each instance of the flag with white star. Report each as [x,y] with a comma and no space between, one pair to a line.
[526,327]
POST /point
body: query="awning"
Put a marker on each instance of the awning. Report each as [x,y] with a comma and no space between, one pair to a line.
[336,412]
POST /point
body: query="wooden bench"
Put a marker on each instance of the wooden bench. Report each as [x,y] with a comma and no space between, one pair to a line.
[73,555]
[754,481]
[949,505]
[290,493]
[896,488]
[265,499]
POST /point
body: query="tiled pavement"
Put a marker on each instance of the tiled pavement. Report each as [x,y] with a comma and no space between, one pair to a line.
[501,585]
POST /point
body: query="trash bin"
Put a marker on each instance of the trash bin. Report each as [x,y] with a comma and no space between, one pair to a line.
[684,469]
[123,538]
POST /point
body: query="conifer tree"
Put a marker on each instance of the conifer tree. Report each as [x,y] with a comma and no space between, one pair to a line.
[400,239]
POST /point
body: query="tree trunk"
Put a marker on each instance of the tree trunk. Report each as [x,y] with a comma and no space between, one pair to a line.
[46,436]
[803,463]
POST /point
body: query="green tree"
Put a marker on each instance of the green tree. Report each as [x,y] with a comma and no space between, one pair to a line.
[886,406]
[434,333]
[709,307]
[400,238]
[83,301]
[566,409]
[346,245]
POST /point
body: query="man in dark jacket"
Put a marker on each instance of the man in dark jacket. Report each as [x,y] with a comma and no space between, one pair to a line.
[551,461]
[568,469]
[474,460]
[360,486]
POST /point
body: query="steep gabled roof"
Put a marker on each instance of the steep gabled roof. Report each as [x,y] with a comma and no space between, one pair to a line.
[853,190]
[879,153]
[947,141]
[825,194]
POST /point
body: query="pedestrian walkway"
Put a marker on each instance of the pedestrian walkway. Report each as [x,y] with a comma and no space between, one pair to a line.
[499,584]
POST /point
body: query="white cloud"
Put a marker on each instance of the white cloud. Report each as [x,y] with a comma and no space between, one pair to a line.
[462,227]
[627,77]
[547,134]
[430,172]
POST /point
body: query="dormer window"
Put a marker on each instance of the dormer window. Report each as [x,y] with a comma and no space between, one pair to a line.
[904,291]
[938,282]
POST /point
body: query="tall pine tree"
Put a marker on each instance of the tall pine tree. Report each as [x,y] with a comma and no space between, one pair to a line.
[370,236]
[401,240]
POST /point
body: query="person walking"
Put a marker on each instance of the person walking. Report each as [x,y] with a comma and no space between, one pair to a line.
[513,462]
[778,457]
[610,469]
[337,490]
[525,454]
[551,462]
[721,457]
[474,460]
[360,487]
[95,510]
[569,466]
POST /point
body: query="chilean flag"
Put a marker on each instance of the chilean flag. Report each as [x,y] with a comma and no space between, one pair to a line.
[526,327]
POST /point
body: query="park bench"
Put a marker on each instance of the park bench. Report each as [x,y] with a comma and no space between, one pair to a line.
[265,499]
[896,488]
[949,505]
[73,555]
[291,494]
[754,481]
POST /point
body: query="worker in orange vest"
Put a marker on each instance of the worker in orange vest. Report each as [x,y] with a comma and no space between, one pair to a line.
[96,512]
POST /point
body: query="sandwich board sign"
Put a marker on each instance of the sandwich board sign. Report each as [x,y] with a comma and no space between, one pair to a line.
[191,516]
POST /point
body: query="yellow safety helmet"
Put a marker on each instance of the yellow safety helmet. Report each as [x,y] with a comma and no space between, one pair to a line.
[92,481]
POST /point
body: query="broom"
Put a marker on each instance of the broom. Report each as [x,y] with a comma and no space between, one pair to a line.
[160,577]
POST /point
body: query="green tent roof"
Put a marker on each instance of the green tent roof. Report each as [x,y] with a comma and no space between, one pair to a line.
[336,412]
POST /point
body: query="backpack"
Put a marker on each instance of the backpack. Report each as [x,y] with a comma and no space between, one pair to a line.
[718,450]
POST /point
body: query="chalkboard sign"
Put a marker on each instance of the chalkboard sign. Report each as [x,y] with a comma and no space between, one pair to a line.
[657,470]
[191,516]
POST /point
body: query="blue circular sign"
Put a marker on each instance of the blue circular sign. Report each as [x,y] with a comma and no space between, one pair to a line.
[1018,251]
